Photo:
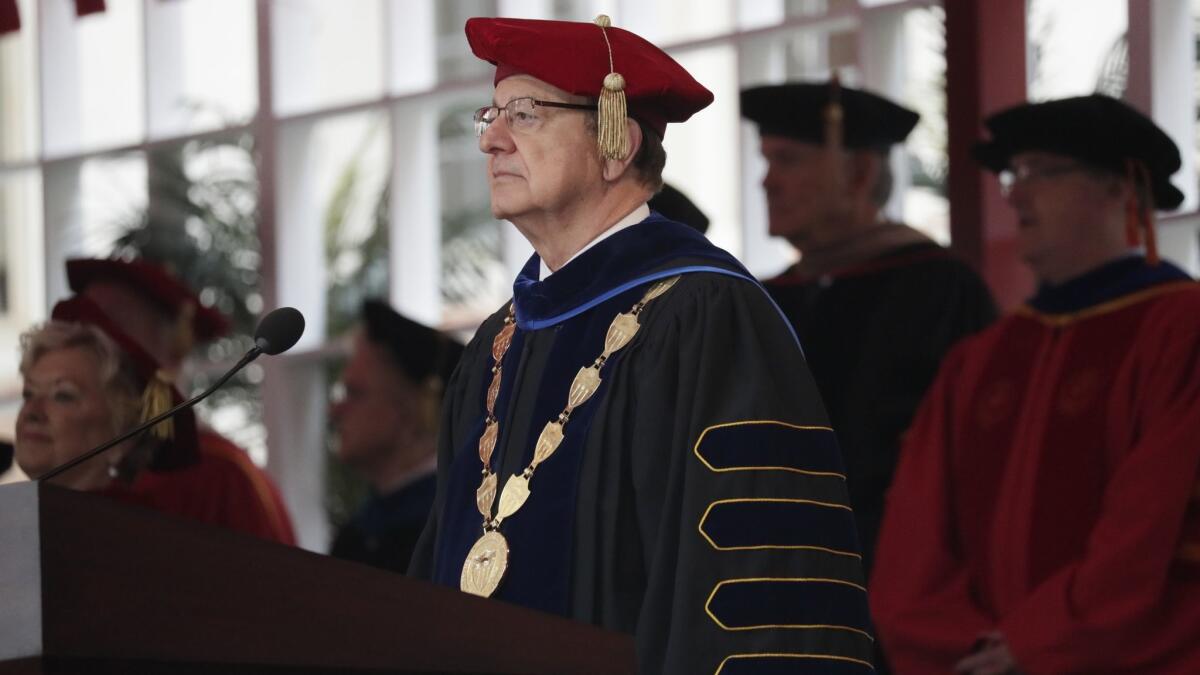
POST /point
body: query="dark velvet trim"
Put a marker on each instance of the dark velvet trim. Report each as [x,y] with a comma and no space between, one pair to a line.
[1106,283]
[793,664]
[760,523]
[752,604]
[770,445]
[461,523]
[653,244]
[542,532]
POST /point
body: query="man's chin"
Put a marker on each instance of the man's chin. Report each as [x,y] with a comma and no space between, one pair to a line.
[784,229]
[505,209]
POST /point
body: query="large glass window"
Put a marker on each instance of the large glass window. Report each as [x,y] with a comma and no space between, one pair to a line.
[453,61]
[20,257]
[1073,52]
[334,199]
[93,93]
[89,203]
[192,86]
[924,202]
[326,53]
[19,89]
[355,213]
[474,277]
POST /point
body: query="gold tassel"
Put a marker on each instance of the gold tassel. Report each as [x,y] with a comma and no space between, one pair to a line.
[834,116]
[1139,218]
[156,400]
[613,135]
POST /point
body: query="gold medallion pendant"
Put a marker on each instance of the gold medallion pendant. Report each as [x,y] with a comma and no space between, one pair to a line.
[485,565]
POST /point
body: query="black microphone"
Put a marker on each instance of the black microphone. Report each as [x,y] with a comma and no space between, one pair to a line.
[277,332]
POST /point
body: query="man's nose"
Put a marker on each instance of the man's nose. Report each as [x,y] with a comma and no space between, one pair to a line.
[496,137]
[1016,194]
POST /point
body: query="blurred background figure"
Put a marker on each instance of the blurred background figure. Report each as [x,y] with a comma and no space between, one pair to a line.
[876,303]
[1044,518]
[167,320]
[676,206]
[85,382]
[386,423]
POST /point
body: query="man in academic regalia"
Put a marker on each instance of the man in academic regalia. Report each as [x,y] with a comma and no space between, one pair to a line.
[876,303]
[221,486]
[1045,515]
[386,424]
[635,441]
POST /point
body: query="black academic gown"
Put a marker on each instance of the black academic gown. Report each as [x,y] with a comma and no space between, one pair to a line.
[698,500]
[875,334]
[384,531]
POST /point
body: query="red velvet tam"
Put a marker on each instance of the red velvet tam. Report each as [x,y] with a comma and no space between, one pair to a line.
[573,56]
[153,282]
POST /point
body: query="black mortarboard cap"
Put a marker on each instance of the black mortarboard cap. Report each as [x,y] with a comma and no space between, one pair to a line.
[420,351]
[797,110]
[677,207]
[1097,130]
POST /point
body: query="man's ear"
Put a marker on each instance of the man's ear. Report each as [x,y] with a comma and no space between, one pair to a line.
[1120,189]
[614,169]
[866,168]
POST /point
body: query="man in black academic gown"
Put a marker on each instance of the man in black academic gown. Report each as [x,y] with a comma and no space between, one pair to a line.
[876,304]
[386,424]
[635,441]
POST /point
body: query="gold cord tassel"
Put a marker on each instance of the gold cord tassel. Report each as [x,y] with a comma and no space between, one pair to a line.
[834,129]
[613,136]
[156,400]
[834,114]
[1138,211]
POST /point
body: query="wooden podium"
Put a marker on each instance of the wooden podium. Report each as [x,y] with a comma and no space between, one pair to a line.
[92,586]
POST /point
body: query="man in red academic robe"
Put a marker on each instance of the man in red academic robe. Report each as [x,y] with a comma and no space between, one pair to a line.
[1045,516]
[221,486]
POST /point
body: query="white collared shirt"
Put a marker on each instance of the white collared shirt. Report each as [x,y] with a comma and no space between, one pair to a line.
[636,216]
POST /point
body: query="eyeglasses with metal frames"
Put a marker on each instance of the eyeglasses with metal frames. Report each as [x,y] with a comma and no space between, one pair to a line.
[521,113]
[1025,173]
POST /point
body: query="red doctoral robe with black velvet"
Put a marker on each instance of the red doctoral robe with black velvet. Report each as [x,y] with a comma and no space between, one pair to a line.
[1048,487]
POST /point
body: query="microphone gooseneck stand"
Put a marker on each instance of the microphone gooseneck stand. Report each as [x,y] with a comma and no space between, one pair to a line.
[276,333]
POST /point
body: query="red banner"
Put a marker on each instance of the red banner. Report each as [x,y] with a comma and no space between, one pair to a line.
[85,7]
[10,18]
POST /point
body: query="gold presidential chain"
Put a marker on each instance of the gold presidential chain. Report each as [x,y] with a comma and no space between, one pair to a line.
[487,562]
